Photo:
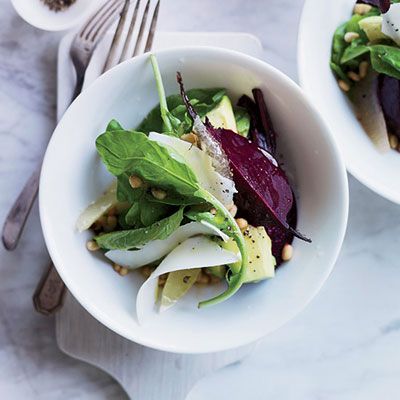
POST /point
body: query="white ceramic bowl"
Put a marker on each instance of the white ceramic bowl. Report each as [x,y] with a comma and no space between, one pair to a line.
[36,13]
[378,172]
[72,177]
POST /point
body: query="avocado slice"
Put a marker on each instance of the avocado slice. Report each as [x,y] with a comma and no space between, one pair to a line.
[261,261]
[222,116]
[372,26]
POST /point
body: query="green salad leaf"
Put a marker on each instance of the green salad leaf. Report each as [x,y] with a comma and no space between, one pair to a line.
[386,60]
[126,153]
[170,116]
[133,238]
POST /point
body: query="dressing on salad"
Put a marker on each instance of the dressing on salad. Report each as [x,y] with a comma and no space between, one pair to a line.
[181,177]
[366,61]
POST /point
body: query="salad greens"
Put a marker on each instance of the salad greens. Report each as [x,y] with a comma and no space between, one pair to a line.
[176,176]
[366,48]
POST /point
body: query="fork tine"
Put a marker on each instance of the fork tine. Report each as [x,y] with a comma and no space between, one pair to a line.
[93,21]
[153,25]
[108,20]
[124,54]
[117,37]
[141,29]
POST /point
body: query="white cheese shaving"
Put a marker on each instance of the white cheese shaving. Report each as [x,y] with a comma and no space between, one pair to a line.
[157,249]
[391,23]
[197,252]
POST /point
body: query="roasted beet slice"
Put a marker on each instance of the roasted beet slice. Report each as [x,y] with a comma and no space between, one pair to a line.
[384,5]
[389,97]
[264,190]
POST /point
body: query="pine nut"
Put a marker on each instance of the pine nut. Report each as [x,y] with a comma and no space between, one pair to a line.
[287,252]
[394,141]
[190,137]
[343,85]
[233,210]
[91,245]
[242,224]
[213,211]
[123,271]
[362,9]
[135,182]
[146,271]
[116,267]
[363,69]
[353,76]
[203,279]
[350,36]
[158,194]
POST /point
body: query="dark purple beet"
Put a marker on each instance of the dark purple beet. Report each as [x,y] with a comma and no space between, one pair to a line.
[264,193]
[384,5]
[389,97]
[264,190]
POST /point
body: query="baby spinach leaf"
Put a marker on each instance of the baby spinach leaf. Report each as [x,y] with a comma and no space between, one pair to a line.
[132,217]
[133,153]
[152,212]
[133,238]
[386,60]
[114,125]
[354,51]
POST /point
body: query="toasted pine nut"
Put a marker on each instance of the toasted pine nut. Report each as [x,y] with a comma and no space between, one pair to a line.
[394,141]
[203,278]
[91,245]
[353,76]
[242,223]
[158,194]
[135,182]
[350,36]
[190,137]
[123,271]
[233,210]
[362,9]
[287,252]
[116,267]
[213,211]
[343,85]
[363,69]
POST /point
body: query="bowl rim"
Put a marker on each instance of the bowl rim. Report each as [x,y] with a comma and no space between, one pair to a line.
[73,22]
[342,188]
[379,188]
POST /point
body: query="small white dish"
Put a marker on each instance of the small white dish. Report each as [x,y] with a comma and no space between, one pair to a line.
[72,177]
[36,13]
[377,171]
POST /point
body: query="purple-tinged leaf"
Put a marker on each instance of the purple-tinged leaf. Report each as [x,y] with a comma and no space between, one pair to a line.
[265,121]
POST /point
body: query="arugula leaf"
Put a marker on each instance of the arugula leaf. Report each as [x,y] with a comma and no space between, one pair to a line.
[129,239]
[242,118]
[354,51]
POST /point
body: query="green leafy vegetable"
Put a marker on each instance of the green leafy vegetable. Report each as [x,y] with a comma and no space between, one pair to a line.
[170,116]
[242,118]
[386,60]
[128,153]
[129,239]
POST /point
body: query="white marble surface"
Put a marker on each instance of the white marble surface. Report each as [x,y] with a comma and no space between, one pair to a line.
[345,345]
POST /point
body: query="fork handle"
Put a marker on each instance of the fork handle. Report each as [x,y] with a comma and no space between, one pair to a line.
[16,218]
[78,86]
[49,294]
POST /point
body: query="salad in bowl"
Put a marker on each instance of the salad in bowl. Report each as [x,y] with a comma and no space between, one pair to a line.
[366,61]
[205,189]
[199,196]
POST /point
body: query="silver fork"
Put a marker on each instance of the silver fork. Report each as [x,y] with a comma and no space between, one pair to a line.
[50,291]
[81,52]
